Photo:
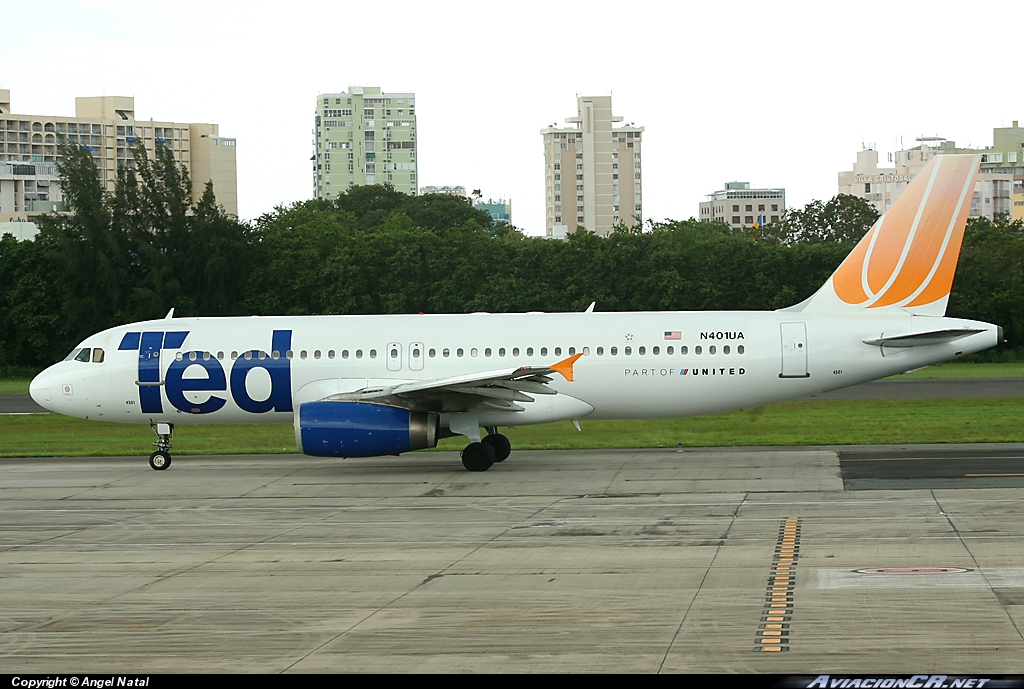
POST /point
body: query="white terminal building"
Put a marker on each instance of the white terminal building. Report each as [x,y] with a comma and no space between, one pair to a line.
[741,207]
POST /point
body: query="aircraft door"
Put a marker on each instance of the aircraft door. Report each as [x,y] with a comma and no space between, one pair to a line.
[794,351]
[394,356]
[150,372]
[416,356]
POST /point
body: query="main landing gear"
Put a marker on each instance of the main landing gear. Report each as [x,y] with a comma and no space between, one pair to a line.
[492,448]
[161,459]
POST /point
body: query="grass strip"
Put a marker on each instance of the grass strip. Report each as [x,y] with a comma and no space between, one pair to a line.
[832,422]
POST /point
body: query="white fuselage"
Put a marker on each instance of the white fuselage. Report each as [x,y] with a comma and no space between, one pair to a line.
[665,364]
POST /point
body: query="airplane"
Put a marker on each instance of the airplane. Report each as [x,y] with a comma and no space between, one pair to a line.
[362,386]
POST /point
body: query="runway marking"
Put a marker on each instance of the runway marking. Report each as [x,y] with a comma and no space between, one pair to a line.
[773,633]
[977,475]
[364,483]
[644,480]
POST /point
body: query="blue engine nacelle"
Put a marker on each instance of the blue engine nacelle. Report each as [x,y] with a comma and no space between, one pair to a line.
[360,429]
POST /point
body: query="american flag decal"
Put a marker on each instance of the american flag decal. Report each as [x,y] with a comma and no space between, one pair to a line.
[673,334]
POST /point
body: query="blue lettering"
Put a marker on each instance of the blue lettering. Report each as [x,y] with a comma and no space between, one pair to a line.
[279,368]
[149,372]
[176,385]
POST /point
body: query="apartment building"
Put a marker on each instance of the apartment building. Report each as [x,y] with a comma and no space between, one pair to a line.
[449,190]
[592,171]
[361,137]
[998,191]
[741,207]
[106,127]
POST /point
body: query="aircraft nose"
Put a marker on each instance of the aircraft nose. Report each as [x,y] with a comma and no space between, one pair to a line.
[39,389]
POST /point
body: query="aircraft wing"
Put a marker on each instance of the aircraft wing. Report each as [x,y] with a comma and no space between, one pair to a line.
[501,388]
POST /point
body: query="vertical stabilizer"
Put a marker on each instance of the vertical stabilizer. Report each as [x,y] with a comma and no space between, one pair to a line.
[907,260]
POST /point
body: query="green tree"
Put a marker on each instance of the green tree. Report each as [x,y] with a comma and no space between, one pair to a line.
[843,219]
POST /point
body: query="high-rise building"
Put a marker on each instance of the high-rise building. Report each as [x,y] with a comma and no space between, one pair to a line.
[592,171]
[364,137]
[998,191]
[740,207]
[107,128]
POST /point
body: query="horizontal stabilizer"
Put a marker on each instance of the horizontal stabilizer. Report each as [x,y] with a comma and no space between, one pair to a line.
[922,339]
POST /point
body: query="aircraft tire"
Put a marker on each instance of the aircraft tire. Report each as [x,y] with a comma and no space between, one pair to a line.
[500,444]
[477,457]
[160,460]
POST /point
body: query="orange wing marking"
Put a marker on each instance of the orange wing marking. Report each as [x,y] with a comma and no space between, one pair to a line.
[565,366]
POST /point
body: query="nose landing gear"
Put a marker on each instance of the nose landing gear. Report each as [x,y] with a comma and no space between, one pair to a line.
[161,459]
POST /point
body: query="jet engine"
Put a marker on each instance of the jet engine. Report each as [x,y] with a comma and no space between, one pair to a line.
[360,429]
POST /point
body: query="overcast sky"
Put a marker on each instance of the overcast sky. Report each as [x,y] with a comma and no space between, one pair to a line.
[780,94]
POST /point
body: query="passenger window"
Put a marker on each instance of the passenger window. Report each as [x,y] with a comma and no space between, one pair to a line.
[262,355]
[432,353]
[711,349]
[289,355]
[529,351]
[330,353]
[415,354]
[669,350]
[627,351]
[445,352]
[739,349]
[179,356]
[394,353]
[501,351]
[207,356]
[192,356]
[302,354]
[615,350]
[83,355]
[487,352]
[344,354]
[656,351]
[515,351]
[373,353]
[275,354]
[458,352]
[234,355]
[697,349]
[600,351]
[684,350]
[572,350]
[316,354]
[642,350]
[359,354]
[543,351]
[558,351]
[586,351]
[725,349]
[220,356]
[474,351]
[97,356]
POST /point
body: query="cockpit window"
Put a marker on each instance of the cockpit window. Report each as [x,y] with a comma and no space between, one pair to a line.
[83,354]
[74,353]
[97,356]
